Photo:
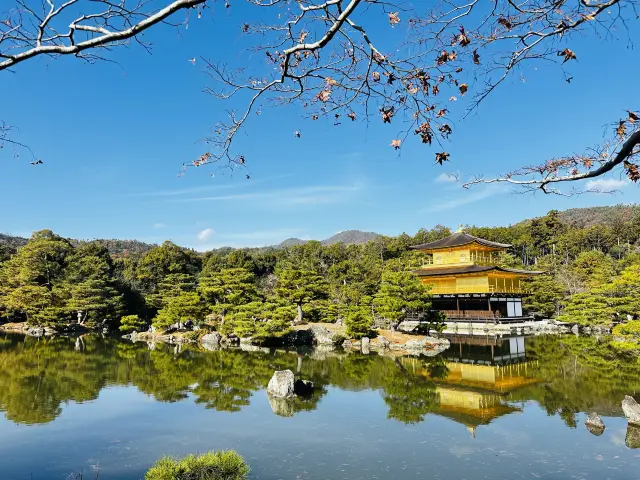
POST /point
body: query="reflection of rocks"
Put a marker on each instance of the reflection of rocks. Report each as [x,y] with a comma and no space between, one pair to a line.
[365,345]
[631,410]
[283,407]
[429,346]
[379,343]
[281,384]
[247,347]
[303,388]
[632,439]
[594,424]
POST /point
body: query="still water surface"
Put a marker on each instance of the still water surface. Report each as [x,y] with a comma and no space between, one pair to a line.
[486,409]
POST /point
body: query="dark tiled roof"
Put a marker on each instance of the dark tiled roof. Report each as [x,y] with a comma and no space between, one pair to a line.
[435,272]
[458,240]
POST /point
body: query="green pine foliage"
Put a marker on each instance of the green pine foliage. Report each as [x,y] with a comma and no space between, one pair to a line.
[130,323]
[179,310]
[299,287]
[224,465]
[359,322]
[401,293]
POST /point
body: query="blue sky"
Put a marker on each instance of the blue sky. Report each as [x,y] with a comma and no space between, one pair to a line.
[113,138]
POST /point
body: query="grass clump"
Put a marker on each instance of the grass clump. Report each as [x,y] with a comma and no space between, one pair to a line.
[224,465]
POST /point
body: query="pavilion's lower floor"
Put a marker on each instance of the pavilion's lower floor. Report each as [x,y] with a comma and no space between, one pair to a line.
[480,307]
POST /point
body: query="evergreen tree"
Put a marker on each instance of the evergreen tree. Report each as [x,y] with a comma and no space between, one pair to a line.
[90,284]
[130,323]
[359,322]
[29,280]
[300,287]
[228,288]
[399,294]
[546,295]
[180,309]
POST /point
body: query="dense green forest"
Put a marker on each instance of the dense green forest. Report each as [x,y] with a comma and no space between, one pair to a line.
[593,277]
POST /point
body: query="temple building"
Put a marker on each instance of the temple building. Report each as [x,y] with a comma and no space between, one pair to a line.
[467,282]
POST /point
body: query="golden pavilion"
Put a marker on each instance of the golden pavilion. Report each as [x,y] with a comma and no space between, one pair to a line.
[467,282]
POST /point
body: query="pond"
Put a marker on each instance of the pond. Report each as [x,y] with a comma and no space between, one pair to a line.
[498,408]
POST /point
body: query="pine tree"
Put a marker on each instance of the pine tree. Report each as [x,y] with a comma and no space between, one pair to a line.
[130,323]
[399,294]
[300,287]
[181,309]
[227,289]
[359,322]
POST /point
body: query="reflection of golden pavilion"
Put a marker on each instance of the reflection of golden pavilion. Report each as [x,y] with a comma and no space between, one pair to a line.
[475,393]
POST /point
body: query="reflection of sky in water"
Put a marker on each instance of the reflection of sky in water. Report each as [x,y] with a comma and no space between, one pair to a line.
[348,436]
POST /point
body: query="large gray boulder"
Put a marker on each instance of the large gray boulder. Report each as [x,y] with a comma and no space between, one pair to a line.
[631,410]
[594,424]
[213,338]
[321,335]
[282,384]
[35,332]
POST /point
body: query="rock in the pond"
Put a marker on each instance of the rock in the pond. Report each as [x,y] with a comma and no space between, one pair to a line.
[212,339]
[631,410]
[365,343]
[281,384]
[303,388]
[380,343]
[35,332]
[594,424]
[632,439]
[283,407]
[321,335]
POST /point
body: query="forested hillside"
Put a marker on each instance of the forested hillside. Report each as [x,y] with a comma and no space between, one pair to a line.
[593,277]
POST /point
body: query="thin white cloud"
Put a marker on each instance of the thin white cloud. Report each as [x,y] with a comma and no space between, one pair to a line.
[307,195]
[447,178]
[159,225]
[206,234]
[215,186]
[606,185]
[465,197]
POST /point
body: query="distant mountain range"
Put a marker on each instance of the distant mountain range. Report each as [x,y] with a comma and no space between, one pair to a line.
[348,237]
[580,217]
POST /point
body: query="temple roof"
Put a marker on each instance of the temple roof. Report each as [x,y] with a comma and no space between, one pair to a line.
[438,272]
[458,240]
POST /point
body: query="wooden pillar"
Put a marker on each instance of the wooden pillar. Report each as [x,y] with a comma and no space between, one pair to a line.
[458,305]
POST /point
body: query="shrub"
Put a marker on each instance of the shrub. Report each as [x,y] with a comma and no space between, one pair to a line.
[129,323]
[225,465]
[359,323]
[626,337]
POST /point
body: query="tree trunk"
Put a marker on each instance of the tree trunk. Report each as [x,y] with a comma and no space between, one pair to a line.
[299,318]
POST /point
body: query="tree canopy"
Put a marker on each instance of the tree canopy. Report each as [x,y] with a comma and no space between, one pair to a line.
[387,61]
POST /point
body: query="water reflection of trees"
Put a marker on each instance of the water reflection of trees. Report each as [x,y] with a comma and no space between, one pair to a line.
[38,376]
[580,374]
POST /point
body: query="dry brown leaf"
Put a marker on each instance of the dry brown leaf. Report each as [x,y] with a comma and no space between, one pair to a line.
[567,54]
[396,144]
[394,19]
[442,157]
[463,88]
